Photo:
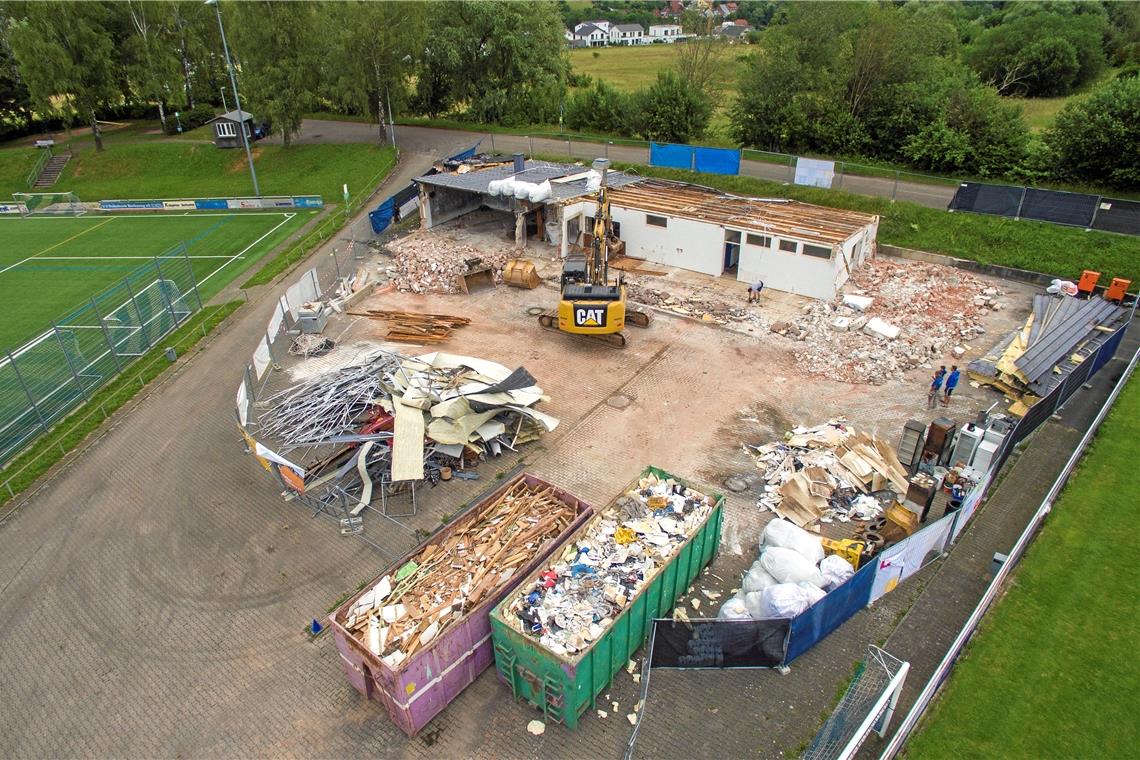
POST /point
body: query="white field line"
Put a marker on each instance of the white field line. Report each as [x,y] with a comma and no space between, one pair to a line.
[155,215]
[243,251]
[116,258]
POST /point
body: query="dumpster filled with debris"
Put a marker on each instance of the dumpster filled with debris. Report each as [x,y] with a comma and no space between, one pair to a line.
[563,633]
[415,637]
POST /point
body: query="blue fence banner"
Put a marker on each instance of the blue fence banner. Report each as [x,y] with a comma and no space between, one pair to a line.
[204,204]
[707,160]
[118,205]
[823,617]
[308,201]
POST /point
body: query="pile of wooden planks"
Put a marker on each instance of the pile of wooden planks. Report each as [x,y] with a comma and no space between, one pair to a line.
[409,608]
[416,327]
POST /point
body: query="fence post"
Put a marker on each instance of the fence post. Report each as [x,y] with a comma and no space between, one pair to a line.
[193,279]
[895,189]
[840,185]
[142,322]
[107,336]
[70,366]
[28,393]
[569,153]
[167,301]
[530,146]
[791,169]
[492,143]
[1020,203]
[316,282]
[269,346]
[1096,208]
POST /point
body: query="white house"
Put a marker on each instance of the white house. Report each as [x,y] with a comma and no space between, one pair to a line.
[603,25]
[588,35]
[664,33]
[627,34]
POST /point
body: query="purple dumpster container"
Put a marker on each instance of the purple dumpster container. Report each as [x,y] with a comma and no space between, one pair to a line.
[424,684]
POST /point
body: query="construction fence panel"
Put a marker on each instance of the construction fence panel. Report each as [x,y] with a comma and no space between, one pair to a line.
[671,156]
[1107,351]
[694,644]
[1116,215]
[817,622]
[997,200]
[716,160]
[1059,207]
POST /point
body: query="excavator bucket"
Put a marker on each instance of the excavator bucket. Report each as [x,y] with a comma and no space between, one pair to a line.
[475,281]
[520,273]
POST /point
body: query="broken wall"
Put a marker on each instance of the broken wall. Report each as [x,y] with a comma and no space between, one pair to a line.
[440,204]
[790,272]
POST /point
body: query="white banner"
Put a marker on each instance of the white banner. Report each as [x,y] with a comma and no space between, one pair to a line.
[814,173]
[889,569]
[243,404]
[12,208]
[261,358]
[273,456]
[179,205]
[275,321]
[970,505]
[925,546]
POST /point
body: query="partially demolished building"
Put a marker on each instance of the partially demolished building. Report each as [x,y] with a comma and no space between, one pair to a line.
[794,247]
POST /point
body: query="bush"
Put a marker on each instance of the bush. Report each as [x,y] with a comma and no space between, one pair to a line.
[602,110]
[671,110]
[1053,66]
[576,79]
[191,118]
[1097,139]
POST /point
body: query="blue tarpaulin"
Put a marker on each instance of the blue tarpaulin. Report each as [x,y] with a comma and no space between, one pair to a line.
[382,216]
[823,617]
[708,160]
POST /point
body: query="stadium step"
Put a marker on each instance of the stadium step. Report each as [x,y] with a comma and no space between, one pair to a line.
[52,169]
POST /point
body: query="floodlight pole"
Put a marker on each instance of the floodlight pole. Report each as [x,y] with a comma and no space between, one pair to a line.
[237,100]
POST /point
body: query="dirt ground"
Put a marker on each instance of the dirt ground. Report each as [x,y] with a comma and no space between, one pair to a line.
[684,395]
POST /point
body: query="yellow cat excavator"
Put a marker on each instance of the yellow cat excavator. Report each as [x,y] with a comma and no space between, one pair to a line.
[593,304]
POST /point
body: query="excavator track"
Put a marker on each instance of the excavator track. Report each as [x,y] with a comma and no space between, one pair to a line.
[637,318]
[548,320]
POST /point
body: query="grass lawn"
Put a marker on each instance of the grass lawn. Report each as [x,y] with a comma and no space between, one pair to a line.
[1053,671]
[52,265]
[627,68]
[1036,246]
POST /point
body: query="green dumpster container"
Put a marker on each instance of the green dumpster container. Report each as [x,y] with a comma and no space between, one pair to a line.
[564,687]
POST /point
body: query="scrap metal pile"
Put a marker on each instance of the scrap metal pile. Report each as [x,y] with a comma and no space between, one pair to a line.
[601,571]
[1060,334]
[904,314]
[391,418]
[828,472]
[408,609]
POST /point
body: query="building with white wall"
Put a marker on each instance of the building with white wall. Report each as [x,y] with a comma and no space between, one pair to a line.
[627,34]
[794,247]
[668,33]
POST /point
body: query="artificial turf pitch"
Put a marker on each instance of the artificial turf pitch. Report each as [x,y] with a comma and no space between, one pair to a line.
[49,266]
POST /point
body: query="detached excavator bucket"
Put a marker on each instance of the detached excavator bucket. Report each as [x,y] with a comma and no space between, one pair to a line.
[520,273]
[475,281]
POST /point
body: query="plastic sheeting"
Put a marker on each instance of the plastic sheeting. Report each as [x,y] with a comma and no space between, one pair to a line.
[999,200]
[814,172]
[811,626]
[707,160]
[1075,209]
[1056,206]
[719,643]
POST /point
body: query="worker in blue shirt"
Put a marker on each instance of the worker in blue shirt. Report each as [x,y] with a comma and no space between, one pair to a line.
[935,386]
[951,384]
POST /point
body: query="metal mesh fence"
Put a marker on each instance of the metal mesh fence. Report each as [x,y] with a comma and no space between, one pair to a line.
[865,706]
[46,378]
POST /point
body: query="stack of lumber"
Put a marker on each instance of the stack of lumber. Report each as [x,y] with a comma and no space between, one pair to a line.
[816,472]
[406,609]
[416,327]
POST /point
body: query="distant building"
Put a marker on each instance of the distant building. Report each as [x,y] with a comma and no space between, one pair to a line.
[587,35]
[627,34]
[603,25]
[667,33]
[226,128]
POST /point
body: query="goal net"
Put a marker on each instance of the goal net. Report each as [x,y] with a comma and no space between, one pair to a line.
[150,314]
[50,204]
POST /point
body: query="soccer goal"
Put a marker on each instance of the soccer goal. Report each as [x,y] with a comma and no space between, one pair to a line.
[50,204]
[150,314]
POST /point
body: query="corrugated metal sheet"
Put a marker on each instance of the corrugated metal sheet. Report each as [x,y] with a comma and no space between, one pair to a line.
[1063,332]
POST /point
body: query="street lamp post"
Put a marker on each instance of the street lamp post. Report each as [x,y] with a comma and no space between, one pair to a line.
[237,100]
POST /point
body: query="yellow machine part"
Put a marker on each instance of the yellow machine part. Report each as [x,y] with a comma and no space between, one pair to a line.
[849,549]
[592,317]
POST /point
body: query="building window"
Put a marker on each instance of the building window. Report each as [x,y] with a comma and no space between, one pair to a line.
[656,221]
[761,240]
[820,251]
[789,245]
[225,129]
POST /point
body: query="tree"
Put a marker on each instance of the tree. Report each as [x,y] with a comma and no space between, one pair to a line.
[506,61]
[601,109]
[1007,54]
[1097,139]
[15,102]
[67,59]
[1051,66]
[150,59]
[277,46]
[371,52]
[700,62]
[672,110]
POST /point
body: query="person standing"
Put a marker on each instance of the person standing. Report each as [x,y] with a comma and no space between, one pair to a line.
[951,384]
[935,386]
[754,291]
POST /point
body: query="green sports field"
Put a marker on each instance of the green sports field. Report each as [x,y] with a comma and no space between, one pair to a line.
[51,265]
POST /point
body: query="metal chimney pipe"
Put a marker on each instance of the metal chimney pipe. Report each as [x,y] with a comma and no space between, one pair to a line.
[602,166]
[520,163]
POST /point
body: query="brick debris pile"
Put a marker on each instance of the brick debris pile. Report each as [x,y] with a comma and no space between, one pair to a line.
[930,311]
[432,262]
[690,305]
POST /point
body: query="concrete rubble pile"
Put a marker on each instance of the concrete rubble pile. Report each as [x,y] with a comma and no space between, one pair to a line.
[828,472]
[689,305]
[391,418]
[895,316]
[408,609]
[599,573]
[432,262]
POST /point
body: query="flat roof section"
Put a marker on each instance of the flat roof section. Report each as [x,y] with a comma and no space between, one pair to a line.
[478,180]
[781,218]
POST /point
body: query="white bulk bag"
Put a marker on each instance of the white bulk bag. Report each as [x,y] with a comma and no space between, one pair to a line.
[835,570]
[789,566]
[757,578]
[788,535]
[733,609]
